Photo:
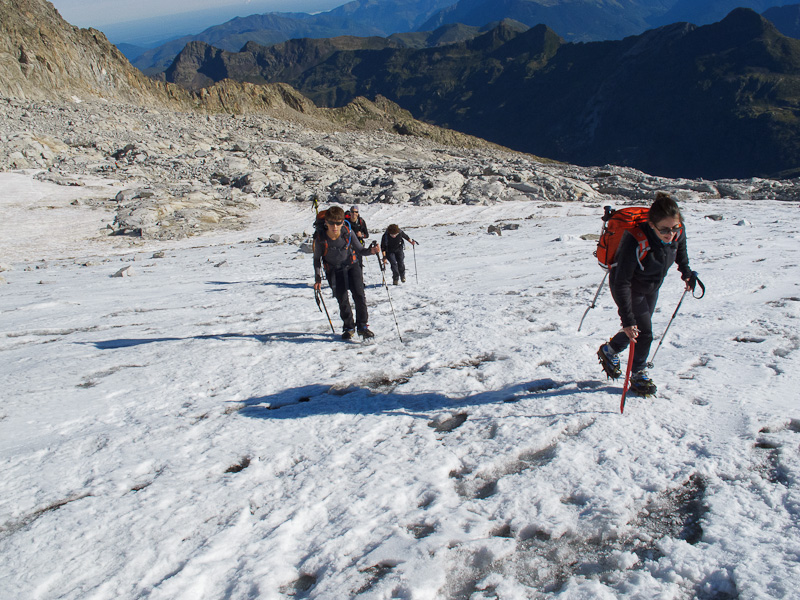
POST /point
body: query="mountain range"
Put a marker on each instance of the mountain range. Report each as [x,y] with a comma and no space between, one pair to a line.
[720,100]
[360,17]
[573,20]
[786,19]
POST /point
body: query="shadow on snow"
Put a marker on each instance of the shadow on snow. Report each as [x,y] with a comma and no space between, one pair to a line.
[281,284]
[263,338]
[381,398]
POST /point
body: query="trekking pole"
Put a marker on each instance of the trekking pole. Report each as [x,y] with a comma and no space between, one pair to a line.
[318,297]
[703,293]
[414,248]
[627,378]
[383,277]
[594,300]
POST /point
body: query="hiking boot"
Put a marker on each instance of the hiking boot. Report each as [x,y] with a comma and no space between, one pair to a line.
[394,280]
[348,334]
[365,333]
[609,361]
[403,278]
[642,385]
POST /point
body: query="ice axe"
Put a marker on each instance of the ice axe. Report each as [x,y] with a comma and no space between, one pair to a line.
[627,377]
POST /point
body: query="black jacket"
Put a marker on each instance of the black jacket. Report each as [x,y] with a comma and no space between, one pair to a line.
[628,277]
[390,245]
[358,226]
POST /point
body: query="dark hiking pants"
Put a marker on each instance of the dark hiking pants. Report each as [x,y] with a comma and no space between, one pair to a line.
[397,262]
[350,279]
[643,307]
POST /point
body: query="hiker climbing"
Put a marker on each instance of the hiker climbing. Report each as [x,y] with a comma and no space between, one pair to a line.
[392,244]
[336,248]
[357,222]
[359,227]
[648,245]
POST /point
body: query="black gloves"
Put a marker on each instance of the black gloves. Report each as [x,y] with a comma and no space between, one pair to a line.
[693,281]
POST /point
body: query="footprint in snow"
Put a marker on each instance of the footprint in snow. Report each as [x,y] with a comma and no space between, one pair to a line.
[768,450]
[421,530]
[375,574]
[298,587]
[484,485]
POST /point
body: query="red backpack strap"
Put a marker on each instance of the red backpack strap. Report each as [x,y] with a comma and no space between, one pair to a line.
[642,244]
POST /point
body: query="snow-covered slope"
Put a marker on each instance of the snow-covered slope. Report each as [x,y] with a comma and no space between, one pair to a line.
[195,430]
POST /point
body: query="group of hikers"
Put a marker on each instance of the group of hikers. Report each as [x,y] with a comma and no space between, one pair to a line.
[645,253]
[339,248]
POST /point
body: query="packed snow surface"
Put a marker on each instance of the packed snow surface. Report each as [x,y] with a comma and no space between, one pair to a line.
[194,430]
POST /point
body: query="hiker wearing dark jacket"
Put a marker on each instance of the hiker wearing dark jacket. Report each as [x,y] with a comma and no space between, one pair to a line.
[635,283]
[357,223]
[392,247]
[359,227]
[335,253]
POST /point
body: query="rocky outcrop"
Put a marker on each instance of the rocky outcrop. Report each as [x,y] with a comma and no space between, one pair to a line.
[42,56]
[184,173]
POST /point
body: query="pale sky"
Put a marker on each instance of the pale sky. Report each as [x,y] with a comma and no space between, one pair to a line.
[97,13]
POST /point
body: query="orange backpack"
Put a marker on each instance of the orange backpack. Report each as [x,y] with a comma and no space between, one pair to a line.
[616,223]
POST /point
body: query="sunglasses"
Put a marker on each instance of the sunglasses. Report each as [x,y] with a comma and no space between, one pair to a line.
[669,230]
[336,223]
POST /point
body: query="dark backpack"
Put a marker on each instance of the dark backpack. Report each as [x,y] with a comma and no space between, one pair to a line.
[615,224]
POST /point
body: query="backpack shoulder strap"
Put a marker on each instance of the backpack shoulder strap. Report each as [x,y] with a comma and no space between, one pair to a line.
[349,227]
[642,244]
[320,238]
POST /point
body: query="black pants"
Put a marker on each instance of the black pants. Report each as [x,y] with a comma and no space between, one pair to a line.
[643,308]
[352,280]
[397,262]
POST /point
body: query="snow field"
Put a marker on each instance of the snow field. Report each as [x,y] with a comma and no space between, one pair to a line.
[196,431]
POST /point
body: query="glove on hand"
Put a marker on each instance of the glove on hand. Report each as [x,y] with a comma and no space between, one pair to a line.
[691,280]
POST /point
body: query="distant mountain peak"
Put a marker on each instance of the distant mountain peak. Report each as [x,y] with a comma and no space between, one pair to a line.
[746,22]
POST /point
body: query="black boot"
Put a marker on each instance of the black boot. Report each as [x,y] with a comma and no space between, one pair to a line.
[609,361]
[642,385]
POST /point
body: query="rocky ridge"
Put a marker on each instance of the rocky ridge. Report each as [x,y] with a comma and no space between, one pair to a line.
[185,173]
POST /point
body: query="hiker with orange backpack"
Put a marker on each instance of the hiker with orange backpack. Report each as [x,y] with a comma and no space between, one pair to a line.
[336,251]
[645,253]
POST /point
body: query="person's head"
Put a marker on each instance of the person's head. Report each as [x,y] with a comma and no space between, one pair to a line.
[334,219]
[354,211]
[665,217]
[393,230]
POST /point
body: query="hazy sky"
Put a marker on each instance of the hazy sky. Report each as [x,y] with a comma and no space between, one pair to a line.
[97,13]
